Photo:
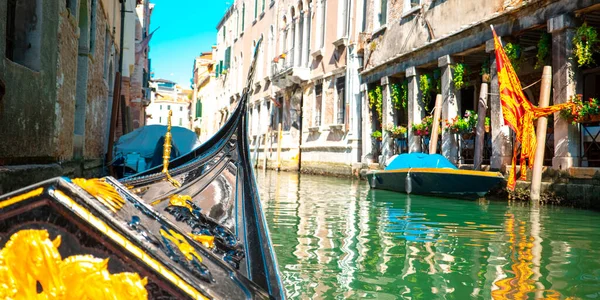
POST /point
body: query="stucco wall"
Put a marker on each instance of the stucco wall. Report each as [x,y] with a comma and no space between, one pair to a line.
[405,32]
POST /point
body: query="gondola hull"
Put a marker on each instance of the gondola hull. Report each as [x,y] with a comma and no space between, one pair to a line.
[436,182]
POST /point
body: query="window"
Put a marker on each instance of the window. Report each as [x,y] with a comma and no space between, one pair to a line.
[323,13]
[411,4]
[181,108]
[340,86]
[343,21]
[159,120]
[243,15]
[383,13]
[93,26]
[255,9]
[106,53]
[24,32]
[160,107]
[198,109]
[224,33]
[180,121]
[318,102]
[227,58]
[71,6]
[263,5]
[168,107]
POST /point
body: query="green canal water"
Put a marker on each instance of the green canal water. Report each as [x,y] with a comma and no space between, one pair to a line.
[337,239]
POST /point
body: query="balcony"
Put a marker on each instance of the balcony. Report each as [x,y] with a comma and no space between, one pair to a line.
[287,72]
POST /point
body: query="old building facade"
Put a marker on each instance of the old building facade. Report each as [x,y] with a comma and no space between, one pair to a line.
[202,110]
[417,39]
[334,74]
[302,108]
[58,64]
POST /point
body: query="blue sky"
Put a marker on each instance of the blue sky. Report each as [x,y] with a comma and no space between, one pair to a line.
[187,28]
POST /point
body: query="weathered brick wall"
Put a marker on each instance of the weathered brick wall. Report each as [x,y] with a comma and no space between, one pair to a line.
[66,83]
[96,119]
[27,111]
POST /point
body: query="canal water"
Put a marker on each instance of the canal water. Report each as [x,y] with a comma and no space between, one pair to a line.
[337,239]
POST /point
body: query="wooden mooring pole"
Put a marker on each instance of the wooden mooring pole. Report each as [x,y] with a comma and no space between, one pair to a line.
[479,138]
[279,148]
[435,129]
[542,126]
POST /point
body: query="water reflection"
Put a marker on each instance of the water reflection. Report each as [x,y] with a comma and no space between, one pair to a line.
[335,238]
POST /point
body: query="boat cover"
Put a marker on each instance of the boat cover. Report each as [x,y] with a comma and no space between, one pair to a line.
[146,139]
[419,160]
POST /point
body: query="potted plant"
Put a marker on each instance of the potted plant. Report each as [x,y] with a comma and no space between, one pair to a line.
[424,128]
[397,132]
[585,42]
[464,126]
[583,112]
[376,135]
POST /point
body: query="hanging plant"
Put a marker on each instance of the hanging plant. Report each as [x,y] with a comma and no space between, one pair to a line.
[437,78]
[585,42]
[459,74]
[485,70]
[513,51]
[543,50]
[425,87]
[399,94]
[376,99]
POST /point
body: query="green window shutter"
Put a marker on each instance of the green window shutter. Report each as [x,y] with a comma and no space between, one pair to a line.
[220,67]
[383,17]
[198,109]
[227,58]
[243,15]
[263,3]
[255,9]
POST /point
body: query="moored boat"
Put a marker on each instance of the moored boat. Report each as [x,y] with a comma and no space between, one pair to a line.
[432,174]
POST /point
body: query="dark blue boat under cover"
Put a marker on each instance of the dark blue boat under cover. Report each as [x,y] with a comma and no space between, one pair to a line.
[419,160]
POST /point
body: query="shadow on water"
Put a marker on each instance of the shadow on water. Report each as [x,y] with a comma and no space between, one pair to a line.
[336,238]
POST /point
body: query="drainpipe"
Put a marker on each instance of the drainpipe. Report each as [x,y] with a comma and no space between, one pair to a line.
[116,93]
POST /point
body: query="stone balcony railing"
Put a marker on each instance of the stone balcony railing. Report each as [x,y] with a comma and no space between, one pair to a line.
[287,71]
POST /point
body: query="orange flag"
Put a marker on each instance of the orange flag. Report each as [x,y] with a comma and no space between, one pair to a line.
[519,113]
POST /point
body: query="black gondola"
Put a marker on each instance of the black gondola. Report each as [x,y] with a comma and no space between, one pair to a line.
[191,229]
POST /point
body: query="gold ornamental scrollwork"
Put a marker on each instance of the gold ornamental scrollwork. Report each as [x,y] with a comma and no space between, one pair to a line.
[32,268]
[101,190]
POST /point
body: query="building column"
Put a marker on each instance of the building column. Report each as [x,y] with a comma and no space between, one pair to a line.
[367,145]
[449,108]
[566,83]
[305,39]
[297,53]
[501,138]
[387,118]
[415,109]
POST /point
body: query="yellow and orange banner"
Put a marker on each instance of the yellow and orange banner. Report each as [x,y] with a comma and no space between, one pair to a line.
[519,113]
